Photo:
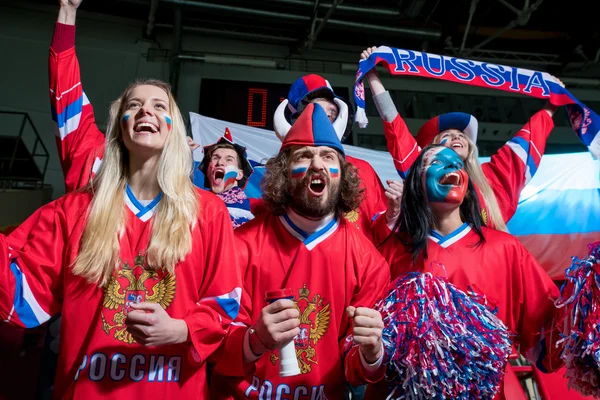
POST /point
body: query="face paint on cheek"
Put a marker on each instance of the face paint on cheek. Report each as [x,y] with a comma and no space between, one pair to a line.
[444,141]
[334,172]
[436,193]
[299,172]
[169,122]
[231,173]
[124,119]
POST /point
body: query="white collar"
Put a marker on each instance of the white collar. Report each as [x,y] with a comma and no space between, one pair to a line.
[143,212]
[451,238]
[310,232]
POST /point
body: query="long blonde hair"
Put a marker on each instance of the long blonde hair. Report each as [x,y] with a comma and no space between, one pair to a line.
[475,172]
[176,214]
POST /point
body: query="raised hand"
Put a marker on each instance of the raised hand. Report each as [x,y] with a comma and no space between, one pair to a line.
[549,107]
[394,199]
[372,77]
[68,11]
[70,3]
[367,52]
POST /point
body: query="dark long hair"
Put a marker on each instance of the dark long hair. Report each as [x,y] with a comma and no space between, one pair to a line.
[416,217]
[276,185]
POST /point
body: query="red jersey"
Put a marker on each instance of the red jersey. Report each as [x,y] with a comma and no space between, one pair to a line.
[328,271]
[98,357]
[502,270]
[374,200]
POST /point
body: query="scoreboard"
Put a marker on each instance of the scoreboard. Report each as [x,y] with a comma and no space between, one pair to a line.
[246,103]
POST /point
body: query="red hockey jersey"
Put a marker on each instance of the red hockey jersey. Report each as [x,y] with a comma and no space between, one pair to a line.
[374,200]
[507,172]
[502,270]
[329,270]
[98,357]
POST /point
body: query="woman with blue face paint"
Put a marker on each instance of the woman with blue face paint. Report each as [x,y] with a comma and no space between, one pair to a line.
[498,182]
[440,224]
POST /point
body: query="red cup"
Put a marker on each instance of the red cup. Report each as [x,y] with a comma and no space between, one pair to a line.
[274,295]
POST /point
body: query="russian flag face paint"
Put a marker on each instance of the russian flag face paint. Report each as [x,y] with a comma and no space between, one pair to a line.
[444,141]
[231,173]
[299,172]
[169,121]
[124,118]
[334,172]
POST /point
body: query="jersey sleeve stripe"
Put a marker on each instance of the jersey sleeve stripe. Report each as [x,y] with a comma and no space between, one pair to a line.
[521,148]
[26,306]
[68,120]
[228,302]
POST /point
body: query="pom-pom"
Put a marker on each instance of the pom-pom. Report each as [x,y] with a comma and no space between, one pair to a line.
[440,342]
[580,328]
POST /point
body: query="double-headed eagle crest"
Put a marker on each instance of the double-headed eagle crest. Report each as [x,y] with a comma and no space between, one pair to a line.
[134,285]
[315,317]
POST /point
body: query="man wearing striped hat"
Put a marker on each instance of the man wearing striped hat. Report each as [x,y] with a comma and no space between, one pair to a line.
[304,244]
[316,89]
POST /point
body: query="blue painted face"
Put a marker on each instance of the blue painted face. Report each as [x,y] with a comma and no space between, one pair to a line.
[444,176]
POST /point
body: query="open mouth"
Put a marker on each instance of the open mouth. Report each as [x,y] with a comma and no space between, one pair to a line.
[145,127]
[451,178]
[457,145]
[316,185]
[219,175]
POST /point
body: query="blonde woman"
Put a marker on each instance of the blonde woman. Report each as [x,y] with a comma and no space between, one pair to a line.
[498,182]
[136,262]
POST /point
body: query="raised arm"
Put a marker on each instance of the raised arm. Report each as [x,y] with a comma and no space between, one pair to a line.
[400,143]
[514,164]
[79,141]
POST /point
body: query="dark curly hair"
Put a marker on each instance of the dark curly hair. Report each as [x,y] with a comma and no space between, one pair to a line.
[276,185]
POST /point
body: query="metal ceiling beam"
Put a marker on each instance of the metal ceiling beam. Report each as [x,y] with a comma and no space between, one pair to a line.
[471,12]
[175,64]
[346,8]
[150,27]
[240,10]
[521,20]
[314,33]
[437,3]
[420,33]
[232,33]
[513,8]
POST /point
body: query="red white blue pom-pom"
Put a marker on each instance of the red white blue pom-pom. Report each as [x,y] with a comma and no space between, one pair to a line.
[440,342]
[581,327]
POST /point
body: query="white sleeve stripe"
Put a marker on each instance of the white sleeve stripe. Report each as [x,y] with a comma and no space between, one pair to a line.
[65,92]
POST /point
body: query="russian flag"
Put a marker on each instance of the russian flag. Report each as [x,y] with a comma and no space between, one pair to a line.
[559,205]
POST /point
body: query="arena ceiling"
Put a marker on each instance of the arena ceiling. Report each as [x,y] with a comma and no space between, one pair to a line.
[561,37]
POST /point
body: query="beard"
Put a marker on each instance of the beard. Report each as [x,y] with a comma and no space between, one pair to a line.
[314,207]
